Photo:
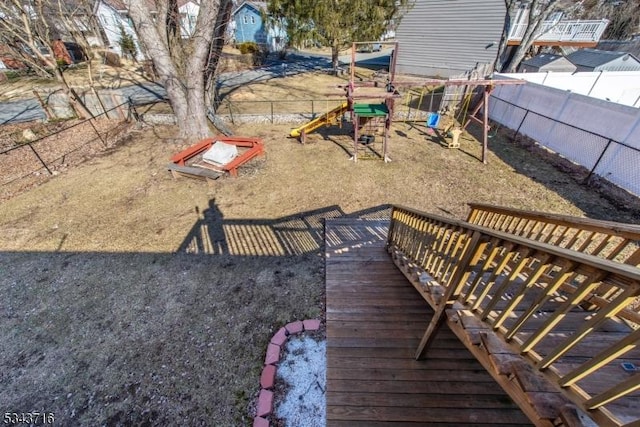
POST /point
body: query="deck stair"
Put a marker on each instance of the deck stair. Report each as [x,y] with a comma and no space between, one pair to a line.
[547,304]
[375,320]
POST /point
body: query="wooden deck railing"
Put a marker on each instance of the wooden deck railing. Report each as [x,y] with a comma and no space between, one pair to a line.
[610,240]
[512,299]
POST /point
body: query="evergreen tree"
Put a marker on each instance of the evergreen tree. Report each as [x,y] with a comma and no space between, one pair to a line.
[127,44]
[336,23]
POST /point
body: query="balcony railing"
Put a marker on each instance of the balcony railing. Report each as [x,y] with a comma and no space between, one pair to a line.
[555,327]
[563,31]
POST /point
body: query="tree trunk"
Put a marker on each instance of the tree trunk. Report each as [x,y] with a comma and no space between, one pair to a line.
[215,52]
[534,22]
[335,53]
[506,29]
[184,79]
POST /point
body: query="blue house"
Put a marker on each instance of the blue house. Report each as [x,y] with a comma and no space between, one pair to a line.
[248,26]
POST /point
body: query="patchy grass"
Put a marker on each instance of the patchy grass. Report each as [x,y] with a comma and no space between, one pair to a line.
[110,318]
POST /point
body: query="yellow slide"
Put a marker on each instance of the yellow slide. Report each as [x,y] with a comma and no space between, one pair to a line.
[324,119]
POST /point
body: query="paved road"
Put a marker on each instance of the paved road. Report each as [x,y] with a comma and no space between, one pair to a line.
[25,110]
[296,63]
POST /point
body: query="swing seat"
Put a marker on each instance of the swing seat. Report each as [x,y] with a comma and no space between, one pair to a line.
[433,119]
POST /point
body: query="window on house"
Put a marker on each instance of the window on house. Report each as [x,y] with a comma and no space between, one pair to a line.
[253,19]
[245,19]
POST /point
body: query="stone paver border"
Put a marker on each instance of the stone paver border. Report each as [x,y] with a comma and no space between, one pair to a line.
[264,407]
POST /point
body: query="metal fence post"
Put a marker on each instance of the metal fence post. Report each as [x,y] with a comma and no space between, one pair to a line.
[591,172]
[40,158]
[515,135]
[271,112]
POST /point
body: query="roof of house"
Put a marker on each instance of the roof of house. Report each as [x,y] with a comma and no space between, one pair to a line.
[594,57]
[116,4]
[629,46]
[256,5]
[121,5]
[542,60]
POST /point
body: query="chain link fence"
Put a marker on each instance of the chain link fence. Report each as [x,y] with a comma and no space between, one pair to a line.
[28,158]
[615,161]
[413,105]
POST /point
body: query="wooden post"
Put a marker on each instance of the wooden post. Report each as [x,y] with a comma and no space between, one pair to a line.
[471,255]
[356,122]
[387,125]
[485,123]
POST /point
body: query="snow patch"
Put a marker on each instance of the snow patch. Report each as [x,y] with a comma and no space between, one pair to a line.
[303,370]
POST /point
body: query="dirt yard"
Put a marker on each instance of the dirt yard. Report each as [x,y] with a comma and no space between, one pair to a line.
[131,298]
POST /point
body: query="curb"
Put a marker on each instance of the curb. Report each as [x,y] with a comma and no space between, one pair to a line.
[264,406]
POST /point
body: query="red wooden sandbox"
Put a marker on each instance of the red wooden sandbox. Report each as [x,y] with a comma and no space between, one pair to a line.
[180,162]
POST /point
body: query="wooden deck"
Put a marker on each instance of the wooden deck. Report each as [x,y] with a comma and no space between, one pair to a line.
[375,319]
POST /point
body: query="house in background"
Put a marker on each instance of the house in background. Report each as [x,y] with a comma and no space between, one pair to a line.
[629,46]
[547,62]
[188,10]
[247,25]
[557,31]
[602,60]
[451,37]
[113,15]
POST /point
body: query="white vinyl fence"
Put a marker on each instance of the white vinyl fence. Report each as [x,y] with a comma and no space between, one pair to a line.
[622,87]
[599,135]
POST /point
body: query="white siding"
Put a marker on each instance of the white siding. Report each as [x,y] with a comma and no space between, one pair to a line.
[110,20]
[449,37]
[188,17]
[625,63]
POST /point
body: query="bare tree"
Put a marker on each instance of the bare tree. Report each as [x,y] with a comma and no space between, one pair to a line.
[28,37]
[185,66]
[510,7]
[27,28]
[539,11]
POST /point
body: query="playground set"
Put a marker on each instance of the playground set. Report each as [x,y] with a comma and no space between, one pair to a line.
[370,106]
[372,113]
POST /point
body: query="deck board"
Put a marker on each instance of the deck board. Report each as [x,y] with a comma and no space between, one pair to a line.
[375,320]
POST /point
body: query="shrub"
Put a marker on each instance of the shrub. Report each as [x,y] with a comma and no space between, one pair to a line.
[112,59]
[61,63]
[248,47]
[127,44]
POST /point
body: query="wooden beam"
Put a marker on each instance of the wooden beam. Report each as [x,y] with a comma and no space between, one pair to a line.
[442,82]
[485,123]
